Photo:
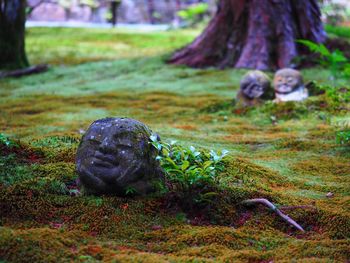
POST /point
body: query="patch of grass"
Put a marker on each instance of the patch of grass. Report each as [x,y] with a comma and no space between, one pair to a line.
[88,45]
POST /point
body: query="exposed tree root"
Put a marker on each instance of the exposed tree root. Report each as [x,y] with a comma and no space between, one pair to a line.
[270,205]
[254,34]
[24,72]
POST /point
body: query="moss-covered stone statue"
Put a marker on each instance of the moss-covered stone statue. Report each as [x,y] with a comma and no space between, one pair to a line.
[115,157]
[288,85]
[254,87]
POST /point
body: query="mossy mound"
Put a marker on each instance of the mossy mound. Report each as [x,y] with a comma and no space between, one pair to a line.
[39,245]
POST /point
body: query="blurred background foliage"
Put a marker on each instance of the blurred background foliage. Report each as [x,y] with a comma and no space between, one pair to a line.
[176,12]
[184,12]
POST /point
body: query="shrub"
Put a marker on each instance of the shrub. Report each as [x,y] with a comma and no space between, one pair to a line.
[335,95]
[188,169]
[335,61]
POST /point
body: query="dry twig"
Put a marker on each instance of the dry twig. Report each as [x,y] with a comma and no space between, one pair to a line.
[274,209]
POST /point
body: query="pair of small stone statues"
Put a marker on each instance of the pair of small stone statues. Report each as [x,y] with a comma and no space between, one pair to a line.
[288,86]
[115,155]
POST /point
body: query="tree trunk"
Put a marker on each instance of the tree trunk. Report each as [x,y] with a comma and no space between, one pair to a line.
[114,8]
[151,10]
[12,27]
[254,34]
[176,21]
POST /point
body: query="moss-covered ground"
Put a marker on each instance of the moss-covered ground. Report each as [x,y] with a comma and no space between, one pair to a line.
[286,153]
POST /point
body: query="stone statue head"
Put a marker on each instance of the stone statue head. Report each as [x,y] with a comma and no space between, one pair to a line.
[115,155]
[254,84]
[287,80]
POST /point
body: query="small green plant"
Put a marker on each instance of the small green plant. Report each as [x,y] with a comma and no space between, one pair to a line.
[336,97]
[335,61]
[130,190]
[5,140]
[343,136]
[188,169]
[97,201]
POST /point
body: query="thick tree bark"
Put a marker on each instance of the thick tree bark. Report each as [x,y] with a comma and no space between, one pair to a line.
[12,27]
[254,34]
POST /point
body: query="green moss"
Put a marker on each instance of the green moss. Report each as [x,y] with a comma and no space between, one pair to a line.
[39,245]
[291,159]
[249,175]
[304,145]
[175,239]
[327,166]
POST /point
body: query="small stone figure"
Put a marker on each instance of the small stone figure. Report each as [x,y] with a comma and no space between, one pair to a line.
[115,157]
[288,85]
[253,86]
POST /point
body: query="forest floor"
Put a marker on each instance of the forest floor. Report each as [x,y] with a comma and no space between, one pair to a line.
[287,153]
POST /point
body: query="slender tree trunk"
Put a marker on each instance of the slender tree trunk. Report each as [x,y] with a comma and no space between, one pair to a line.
[176,21]
[114,7]
[151,10]
[254,34]
[12,27]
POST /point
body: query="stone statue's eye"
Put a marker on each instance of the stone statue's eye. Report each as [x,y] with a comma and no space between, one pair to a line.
[94,141]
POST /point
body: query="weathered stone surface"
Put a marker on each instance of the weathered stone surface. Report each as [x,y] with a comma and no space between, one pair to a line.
[115,156]
[288,85]
[253,86]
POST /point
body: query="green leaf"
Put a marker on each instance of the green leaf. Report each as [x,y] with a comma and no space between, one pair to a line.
[224,153]
[207,164]
[154,138]
[185,165]
[323,50]
[209,195]
[175,171]
[171,162]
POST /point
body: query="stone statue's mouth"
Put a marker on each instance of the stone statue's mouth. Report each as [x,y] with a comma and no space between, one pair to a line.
[102,163]
[104,160]
[283,89]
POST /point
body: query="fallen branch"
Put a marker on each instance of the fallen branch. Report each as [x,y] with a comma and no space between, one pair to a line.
[24,72]
[274,209]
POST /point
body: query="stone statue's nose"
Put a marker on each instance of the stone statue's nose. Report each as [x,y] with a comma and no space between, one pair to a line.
[106,145]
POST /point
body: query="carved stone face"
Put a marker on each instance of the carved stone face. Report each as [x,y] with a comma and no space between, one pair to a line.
[287,81]
[254,84]
[114,155]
